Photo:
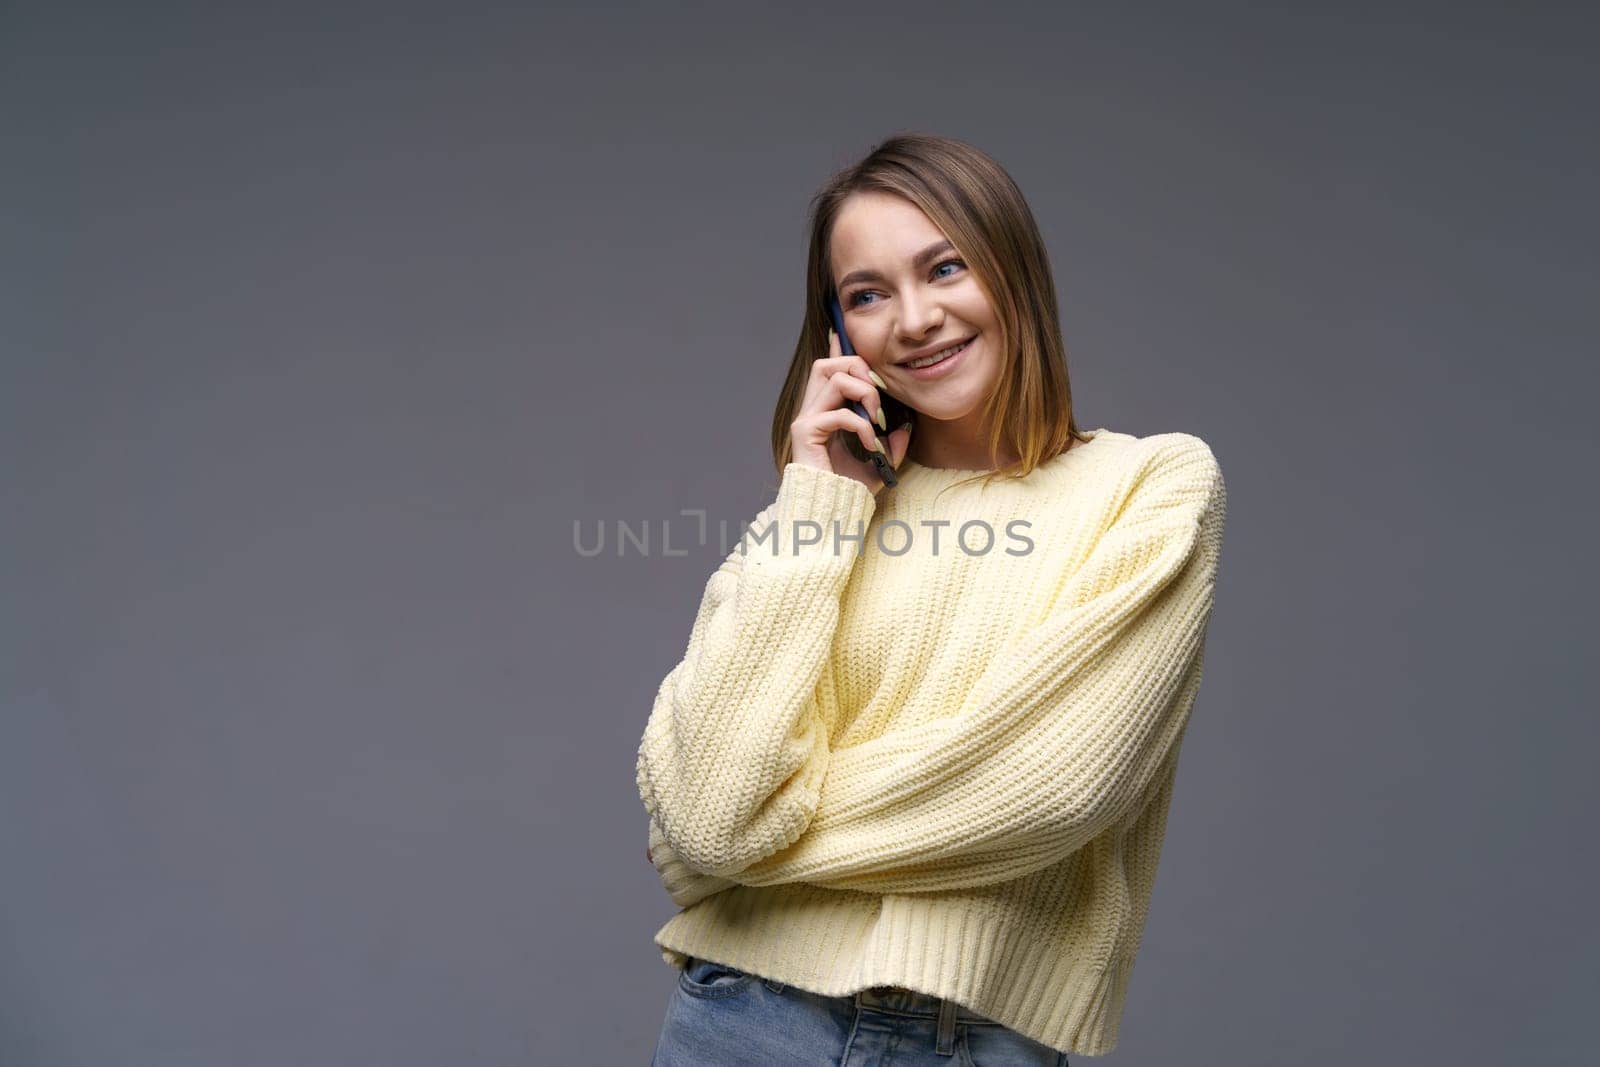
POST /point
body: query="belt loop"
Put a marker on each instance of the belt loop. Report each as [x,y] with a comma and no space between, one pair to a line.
[947,1027]
[774,985]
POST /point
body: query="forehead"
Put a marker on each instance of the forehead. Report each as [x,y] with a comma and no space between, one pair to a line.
[878,230]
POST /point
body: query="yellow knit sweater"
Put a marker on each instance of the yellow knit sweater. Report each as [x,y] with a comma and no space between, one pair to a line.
[938,751]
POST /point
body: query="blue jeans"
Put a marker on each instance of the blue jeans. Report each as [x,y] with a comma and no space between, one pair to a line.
[720,1016]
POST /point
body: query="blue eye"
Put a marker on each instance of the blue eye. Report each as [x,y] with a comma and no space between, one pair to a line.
[854,299]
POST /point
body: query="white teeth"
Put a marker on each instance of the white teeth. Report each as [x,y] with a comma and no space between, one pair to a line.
[928,361]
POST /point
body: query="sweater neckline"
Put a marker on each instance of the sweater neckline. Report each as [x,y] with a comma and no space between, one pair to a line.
[954,474]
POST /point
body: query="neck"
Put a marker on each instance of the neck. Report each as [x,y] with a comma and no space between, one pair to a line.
[951,445]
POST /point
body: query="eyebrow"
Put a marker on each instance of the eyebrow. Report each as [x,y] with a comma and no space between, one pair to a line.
[936,249]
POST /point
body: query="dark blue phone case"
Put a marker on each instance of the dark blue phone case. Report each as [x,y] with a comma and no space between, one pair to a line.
[895,412]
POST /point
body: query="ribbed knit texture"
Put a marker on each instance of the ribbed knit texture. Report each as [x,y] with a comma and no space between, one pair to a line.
[941,769]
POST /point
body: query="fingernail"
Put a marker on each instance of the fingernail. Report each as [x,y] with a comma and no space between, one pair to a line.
[830,336]
[881,446]
[881,419]
[875,379]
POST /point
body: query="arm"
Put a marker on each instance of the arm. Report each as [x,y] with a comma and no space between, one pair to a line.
[736,746]
[685,885]
[1061,738]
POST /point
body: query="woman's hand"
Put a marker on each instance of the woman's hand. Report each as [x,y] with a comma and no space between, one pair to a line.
[814,434]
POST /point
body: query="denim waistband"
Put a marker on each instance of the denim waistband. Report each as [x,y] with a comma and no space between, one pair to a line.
[903,1001]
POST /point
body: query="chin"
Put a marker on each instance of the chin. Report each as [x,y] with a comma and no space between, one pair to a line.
[946,412]
[950,406]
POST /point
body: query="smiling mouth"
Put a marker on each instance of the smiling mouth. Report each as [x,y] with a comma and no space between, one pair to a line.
[938,357]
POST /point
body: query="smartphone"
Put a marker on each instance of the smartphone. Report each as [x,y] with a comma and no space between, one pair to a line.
[895,412]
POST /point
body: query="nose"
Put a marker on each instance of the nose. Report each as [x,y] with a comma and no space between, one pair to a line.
[919,315]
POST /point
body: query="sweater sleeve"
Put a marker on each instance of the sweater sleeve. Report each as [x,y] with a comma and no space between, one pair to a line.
[1062,737]
[685,885]
[736,746]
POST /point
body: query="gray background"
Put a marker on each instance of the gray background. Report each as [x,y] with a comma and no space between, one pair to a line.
[322,326]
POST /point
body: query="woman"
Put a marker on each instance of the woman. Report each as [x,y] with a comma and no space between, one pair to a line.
[910,781]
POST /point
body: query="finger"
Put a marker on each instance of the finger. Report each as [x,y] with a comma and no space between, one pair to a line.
[834,358]
[823,424]
[849,386]
[838,387]
[854,387]
[873,401]
[899,445]
[830,365]
[856,365]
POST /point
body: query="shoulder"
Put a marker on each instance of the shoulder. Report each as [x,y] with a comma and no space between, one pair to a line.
[1162,457]
[1178,447]
[1166,468]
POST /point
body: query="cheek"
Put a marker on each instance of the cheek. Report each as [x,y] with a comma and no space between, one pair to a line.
[974,307]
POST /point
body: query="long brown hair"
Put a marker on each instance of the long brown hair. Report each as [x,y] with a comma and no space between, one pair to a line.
[980,209]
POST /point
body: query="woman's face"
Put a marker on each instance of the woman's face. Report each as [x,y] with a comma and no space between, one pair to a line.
[904,289]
